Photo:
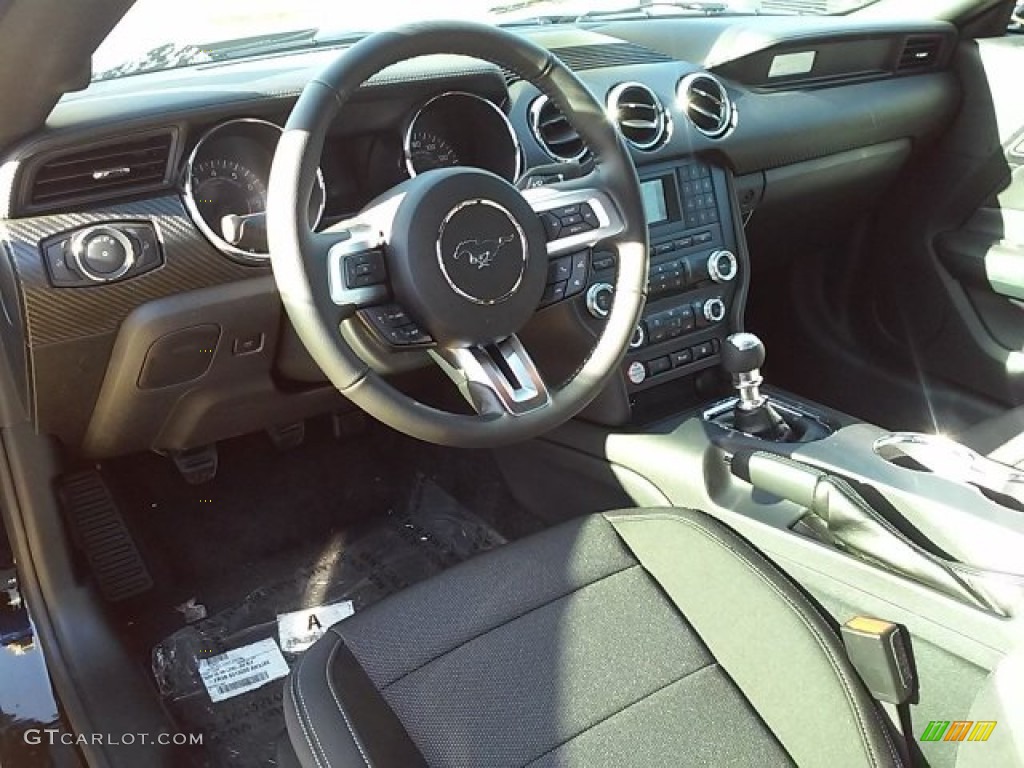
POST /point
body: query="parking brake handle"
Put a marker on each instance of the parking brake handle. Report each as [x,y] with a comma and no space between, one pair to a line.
[844,518]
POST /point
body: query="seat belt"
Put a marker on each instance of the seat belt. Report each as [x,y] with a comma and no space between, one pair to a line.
[880,652]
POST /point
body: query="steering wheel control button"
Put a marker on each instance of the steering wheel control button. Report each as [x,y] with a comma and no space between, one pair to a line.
[363,269]
[570,220]
[636,373]
[580,267]
[394,326]
[603,261]
[552,225]
[102,254]
[482,252]
[722,266]
[560,269]
[553,293]
[599,300]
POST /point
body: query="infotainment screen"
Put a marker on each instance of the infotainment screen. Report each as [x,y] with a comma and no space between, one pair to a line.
[655,201]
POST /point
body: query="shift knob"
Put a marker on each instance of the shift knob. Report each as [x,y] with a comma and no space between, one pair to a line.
[742,353]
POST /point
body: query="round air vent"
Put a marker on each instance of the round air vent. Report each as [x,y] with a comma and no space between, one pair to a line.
[554,133]
[707,104]
[639,114]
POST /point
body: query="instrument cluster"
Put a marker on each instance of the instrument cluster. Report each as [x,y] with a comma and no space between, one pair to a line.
[226,175]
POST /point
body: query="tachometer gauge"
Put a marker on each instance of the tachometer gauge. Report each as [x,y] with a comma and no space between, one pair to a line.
[225,189]
[427,150]
[222,187]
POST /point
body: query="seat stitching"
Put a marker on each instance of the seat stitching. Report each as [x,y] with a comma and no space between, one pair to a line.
[618,712]
[508,621]
[302,715]
[744,559]
[302,724]
[341,709]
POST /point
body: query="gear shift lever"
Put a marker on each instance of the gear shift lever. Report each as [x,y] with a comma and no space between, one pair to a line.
[742,356]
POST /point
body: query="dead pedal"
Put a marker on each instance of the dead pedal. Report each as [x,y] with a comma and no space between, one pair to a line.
[288,436]
[196,465]
[101,534]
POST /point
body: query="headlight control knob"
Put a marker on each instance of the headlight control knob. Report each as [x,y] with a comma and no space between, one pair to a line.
[102,253]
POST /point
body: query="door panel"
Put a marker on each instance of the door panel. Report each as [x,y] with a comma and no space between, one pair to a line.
[948,266]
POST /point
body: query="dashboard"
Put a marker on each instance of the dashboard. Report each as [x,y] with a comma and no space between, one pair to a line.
[135,278]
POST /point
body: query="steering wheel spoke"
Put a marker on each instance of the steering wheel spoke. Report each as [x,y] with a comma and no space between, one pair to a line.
[356,272]
[574,216]
[496,378]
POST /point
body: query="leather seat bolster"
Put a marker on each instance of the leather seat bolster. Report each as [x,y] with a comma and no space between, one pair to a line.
[799,678]
[329,686]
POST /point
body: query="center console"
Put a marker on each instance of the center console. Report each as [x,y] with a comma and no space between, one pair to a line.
[697,277]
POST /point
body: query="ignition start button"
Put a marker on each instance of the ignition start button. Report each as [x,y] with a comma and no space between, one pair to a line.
[637,373]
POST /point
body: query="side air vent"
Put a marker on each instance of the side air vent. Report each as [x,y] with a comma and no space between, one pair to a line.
[639,114]
[135,164]
[707,104]
[554,132]
[919,52]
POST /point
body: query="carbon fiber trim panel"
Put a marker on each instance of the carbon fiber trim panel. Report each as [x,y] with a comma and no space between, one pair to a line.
[63,314]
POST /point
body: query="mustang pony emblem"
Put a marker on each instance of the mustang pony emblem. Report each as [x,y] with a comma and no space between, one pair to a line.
[481,253]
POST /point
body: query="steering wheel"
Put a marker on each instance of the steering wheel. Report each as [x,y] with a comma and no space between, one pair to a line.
[461,251]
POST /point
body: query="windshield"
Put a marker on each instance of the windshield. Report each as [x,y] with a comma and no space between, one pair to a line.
[152,37]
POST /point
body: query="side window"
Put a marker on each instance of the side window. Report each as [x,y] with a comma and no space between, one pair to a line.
[1016,26]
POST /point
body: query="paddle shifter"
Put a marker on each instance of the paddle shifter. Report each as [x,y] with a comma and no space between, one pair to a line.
[742,357]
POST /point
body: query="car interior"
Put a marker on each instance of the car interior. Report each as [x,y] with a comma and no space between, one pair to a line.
[602,389]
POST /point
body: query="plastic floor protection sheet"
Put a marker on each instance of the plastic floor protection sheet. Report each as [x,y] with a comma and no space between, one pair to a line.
[432,534]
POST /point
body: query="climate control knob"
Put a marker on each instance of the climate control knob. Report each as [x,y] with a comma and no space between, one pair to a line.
[722,266]
[713,310]
[599,299]
[102,253]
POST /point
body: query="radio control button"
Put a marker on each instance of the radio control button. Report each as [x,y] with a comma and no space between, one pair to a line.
[722,266]
[713,310]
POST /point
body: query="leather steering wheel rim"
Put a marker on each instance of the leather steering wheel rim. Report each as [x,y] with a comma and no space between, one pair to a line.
[301,270]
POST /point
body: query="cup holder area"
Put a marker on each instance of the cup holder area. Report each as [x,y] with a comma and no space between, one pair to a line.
[949,459]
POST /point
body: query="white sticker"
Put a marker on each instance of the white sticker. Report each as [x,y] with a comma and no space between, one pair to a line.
[300,629]
[242,670]
[789,64]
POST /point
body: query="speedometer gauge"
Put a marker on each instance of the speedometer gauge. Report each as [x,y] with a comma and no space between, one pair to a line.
[427,151]
[461,129]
